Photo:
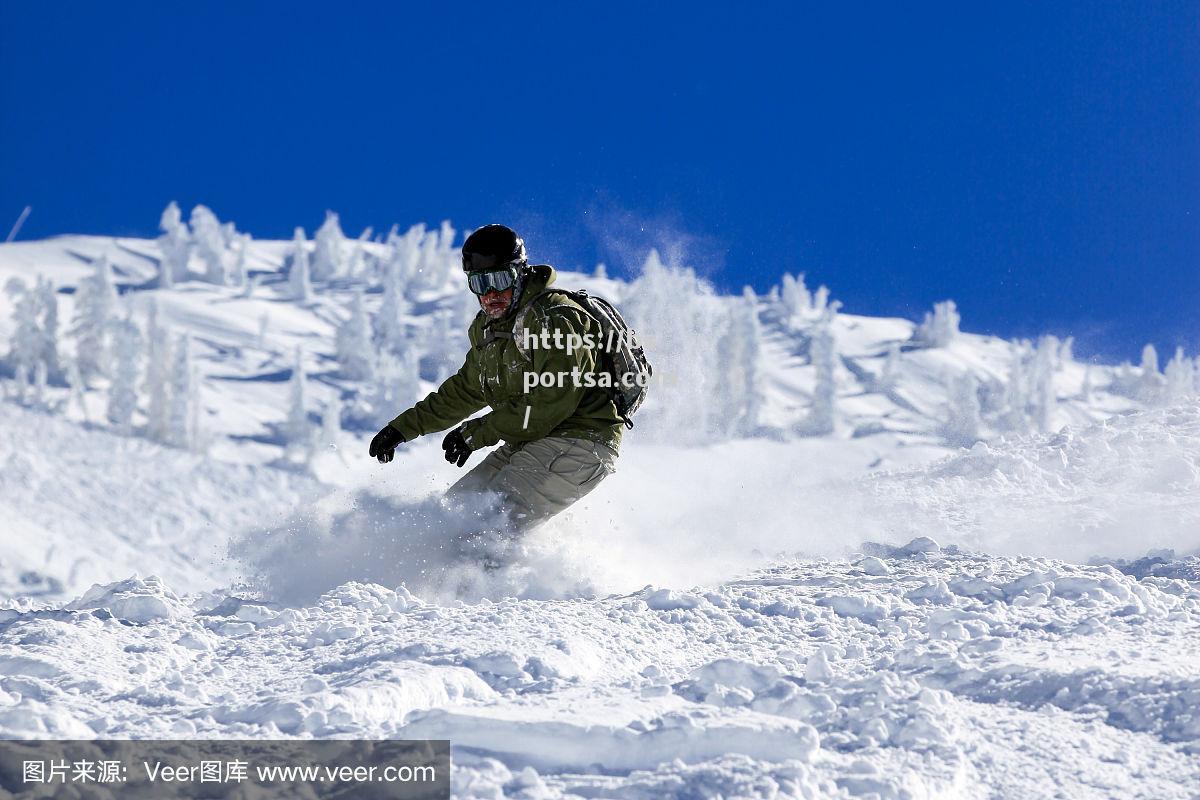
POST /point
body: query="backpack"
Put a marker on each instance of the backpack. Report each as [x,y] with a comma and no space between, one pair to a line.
[621,355]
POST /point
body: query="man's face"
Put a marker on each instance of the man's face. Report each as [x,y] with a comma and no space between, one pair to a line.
[494,303]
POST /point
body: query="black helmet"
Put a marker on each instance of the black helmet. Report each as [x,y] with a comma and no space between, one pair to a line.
[493,247]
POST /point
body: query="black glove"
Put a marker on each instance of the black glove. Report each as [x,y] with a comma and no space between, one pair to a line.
[383,446]
[456,447]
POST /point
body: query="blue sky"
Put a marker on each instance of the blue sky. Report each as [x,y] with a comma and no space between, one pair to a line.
[1038,164]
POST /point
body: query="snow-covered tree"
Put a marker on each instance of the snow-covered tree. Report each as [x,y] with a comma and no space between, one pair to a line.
[357,259]
[679,320]
[890,370]
[1085,392]
[355,352]
[47,301]
[184,417]
[397,384]
[24,349]
[1066,351]
[391,328]
[940,327]
[157,386]
[444,345]
[437,263]
[739,398]
[95,305]
[297,432]
[1180,378]
[329,248]
[174,246]
[601,271]
[402,256]
[239,276]
[122,392]
[963,422]
[210,242]
[298,278]
[1151,385]
[823,353]
[1018,390]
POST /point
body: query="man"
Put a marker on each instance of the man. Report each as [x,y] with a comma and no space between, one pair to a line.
[560,432]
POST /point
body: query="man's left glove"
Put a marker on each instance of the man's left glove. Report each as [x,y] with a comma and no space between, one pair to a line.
[383,446]
[456,447]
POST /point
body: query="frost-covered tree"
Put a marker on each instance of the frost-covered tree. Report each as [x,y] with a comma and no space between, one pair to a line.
[940,327]
[391,328]
[184,417]
[357,258]
[397,383]
[47,301]
[890,370]
[1066,351]
[444,346]
[24,347]
[601,271]
[122,392]
[95,306]
[823,353]
[679,320]
[157,386]
[297,432]
[239,276]
[1018,390]
[963,422]
[329,249]
[299,284]
[355,352]
[794,301]
[1179,377]
[1151,384]
[402,255]
[739,397]
[174,246]
[1085,392]
[210,243]
[437,263]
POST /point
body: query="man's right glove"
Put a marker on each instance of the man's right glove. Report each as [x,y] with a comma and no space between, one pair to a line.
[383,446]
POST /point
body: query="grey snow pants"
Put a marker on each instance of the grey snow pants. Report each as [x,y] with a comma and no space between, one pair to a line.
[536,480]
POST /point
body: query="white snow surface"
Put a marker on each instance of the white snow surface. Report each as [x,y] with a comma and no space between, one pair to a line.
[866,614]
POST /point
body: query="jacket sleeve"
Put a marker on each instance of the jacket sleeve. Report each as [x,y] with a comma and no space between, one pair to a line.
[536,413]
[457,398]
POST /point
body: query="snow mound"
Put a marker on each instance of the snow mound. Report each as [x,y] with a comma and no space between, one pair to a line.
[952,671]
[134,600]
[1113,489]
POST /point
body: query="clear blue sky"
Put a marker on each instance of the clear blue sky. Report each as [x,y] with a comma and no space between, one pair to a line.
[1038,164]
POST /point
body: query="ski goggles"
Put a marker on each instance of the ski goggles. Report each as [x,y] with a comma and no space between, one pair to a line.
[495,281]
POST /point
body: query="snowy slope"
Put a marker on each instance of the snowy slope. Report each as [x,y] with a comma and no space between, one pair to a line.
[727,616]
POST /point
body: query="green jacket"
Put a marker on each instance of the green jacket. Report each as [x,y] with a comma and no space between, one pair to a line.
[493,374]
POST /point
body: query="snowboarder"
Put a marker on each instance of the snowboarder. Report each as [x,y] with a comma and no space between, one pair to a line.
[561,431]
